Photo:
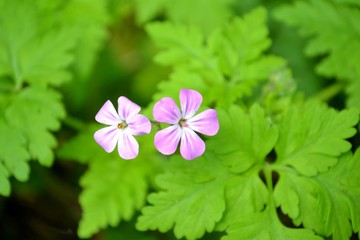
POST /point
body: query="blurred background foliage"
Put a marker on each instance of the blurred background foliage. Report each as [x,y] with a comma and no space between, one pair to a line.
[106,49]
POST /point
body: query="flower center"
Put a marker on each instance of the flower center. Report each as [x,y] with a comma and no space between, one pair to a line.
[183,123]
[122,125]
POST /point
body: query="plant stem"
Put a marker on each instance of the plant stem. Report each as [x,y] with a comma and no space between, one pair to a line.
[15,68]
[330,92]
[74,123]
[268,177]
[157,124]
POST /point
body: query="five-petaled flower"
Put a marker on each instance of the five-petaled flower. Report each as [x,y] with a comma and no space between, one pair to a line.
[183,124]
[123,124]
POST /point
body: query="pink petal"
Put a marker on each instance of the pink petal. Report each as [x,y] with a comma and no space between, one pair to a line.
[205,122]
[166,111]
[127,108]
[166,140]
[190,101]
[107,137]
[191,146]
[107,114]
[139,124]
[128,147]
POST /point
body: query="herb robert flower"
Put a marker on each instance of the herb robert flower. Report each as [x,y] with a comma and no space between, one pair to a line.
[184,124]
[123,126]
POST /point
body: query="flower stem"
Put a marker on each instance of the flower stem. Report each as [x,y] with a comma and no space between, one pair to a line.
[14,67]
[330,92]
[155,123]
[268,177]
[74,123]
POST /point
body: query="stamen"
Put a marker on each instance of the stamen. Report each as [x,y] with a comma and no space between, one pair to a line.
[183,123]
[122,125]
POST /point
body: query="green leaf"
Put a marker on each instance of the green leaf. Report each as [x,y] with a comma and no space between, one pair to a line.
[328,203]
[265,226]
[334,31]
[353,98]
[82,147]
[245,194]
[26,119]
[13,157]
[192,199]
[146,10]
[184,45]
[39,53]
[113,189]
[312,136]
[228,64]
[91,27]
[212,14]
[244,139]
[34,112]
[355,2]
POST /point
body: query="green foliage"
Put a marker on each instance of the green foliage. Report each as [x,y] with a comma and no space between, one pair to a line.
[310,142]
[248,131]
[34,118]
[82,147]
[335,36]
[245,193]
[192,204]
[25,122]
[38,54]
[198,194]
[91,28]
[334,209]
[228,63]
[224,188]
[266,225]
[113,189]
[204,14]
[11,163]
[280,167]
[36,50]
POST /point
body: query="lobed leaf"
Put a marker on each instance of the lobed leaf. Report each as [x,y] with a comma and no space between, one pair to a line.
[33,113]
[192,199]
[13,157]
[91,29]
[203,14]
[266,225]
[327,203]
[334,35]
[244,139]
[26,119]
[313,136]
[245,194]
[227,65]
[113,189]
[38,53]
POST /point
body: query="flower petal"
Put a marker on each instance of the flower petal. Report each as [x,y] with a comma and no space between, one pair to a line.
[166,111]
[166,140]
[128,147]
[191,146]
[205,122]
[107,114]
[127,108]
[190,101]
[139,124]
[107,137]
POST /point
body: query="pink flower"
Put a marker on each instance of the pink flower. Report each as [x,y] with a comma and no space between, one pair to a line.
[183,124]
[123,124]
